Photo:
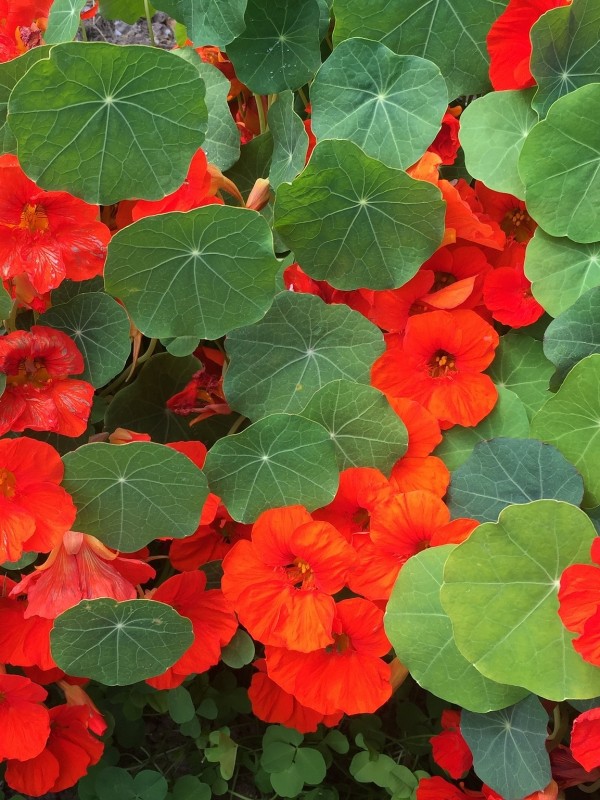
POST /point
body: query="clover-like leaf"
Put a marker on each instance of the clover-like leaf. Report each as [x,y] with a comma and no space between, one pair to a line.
[504,472]
[521,366]
[10,73]
[213,22]
[570,420]
[509,747]
[119,643]
[500,591]
[128,495]
[492,131]
[575,334]
[99,326]
[364,428]
[117,782]
[63,21]
[201,273]
[451,33]
[280,47]
[356,222]
[300,345]
[565,51]
[290,140]
[560,167]
[389,105]
[421,634]
[280,460]
[86,121]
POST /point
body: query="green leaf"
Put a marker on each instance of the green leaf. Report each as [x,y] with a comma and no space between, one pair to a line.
[509,748]
[280,48]
[500,591]
[451,33]
[181,345]
[520,365]
[119,643]
[280,460]
[69,289]
[290,140]
[570,420]
[188,787]
[421,634]
[114,782]
[364,428]
[254,162]
[222,141]
[11,72]
[389,105]
[300,345]
[288,783]
[565,51]
[128,495]
[381,224]
[311,765]
[63,21]
[560,167]
[492,131]
[504,472]
[99,326]
[575,334]
[16,566]
[86,122]
[127,10]
[509,418]
[560,270]
[213,22]
[5,303]
[240,650]
[201,273]
[180,704]
[223,751]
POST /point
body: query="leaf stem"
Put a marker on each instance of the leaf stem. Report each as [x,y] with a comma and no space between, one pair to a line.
[236,425]
[84,36]
[303,97]
[149,22]
[10,323]
[261,113]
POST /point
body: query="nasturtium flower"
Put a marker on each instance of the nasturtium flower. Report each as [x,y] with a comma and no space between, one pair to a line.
[22,23]
[347,675]
[76,695]
[437,788]
[567,771]
[25,642]
[449,749]
[39,393]
[69,752]
[507,293]
[579,597]
[282,581]
[46,236]
[203,394]
[24,720]
[439,363]
[35,511]
[508,211]
[446,143]
[585,739]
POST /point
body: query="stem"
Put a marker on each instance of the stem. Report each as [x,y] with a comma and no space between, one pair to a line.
[271,99]
[236,425]
[148,352]
[557,721]
[149,21]
[84,36]
[261,113]
[589,788]
[303,97]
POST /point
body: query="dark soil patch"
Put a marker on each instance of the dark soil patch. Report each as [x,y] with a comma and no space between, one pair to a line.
[99,29]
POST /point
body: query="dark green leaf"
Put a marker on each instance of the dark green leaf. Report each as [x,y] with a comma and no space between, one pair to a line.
[254,162]
[5,303]
[520,365]
[188,787]
[180,704]
[575,334]
[240,650]
[222,141]
[69,289]
[11,72]
[214,22]
[290,140]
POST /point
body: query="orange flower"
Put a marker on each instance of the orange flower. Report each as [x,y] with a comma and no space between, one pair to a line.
[507,293]
[348,675]
[449,749]
[579,597]
[446,143]
[39,393]
[213,623]
[24,642]
[412,474]
[272,704]
[80,568]
[423,429]
[508,211]
[22,23]
[212,540]
[24,721]
[281,582]
[34,510]
[439,362]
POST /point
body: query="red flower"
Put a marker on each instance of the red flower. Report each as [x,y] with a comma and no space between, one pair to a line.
[550,792]
[80,568]
[585,739]
[75,695]
[24,721]
[203,395]
[414,474]
[212,540]
[39,393]
[509,43]
[281,582]
[439,362]
[213,622]
[439,789]
[348,675]
[48,236]
[568,772]
[450,751]
[22,23]
[579,597]
[508,211]
[69,753]
[446,143]
[507,294]
[25,642]
[34,510]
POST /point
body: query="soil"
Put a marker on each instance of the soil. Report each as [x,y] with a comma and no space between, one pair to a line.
[99,29]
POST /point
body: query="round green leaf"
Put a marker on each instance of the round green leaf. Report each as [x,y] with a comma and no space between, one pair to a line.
[290,140]
[188,787]
[240,650]
[421,634]
[86,121]
[311,765]
[509,748]
[119,643]
[16,566]
[504,472]
[128,495]
[389,105]
[281,460]
[213,22]
[355,222]
[509,418]
[280,48]
[201,273]
[570,420]
[365,430]
[300,345]
[116,782]
[492,131]
[575,334]
[180,704]
[63,21]
[560,167]
[11,72]
[451,33]
[560,270]
[99,326]
[500,591]
[521,366]
[565,51]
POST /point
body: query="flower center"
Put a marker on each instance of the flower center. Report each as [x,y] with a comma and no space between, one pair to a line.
[341,642]
[34,219]
[442,279]
[300,574]
[361,519]
[518,224]
[7,483]
[30,371]
[441,364]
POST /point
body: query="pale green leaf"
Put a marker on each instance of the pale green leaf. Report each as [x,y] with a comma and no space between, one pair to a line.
[63,21]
